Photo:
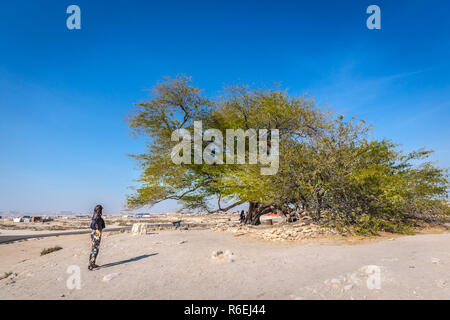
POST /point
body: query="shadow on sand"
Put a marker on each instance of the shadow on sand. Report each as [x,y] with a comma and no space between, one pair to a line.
[127,261]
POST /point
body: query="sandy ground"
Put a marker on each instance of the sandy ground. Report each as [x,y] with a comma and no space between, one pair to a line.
[179,265]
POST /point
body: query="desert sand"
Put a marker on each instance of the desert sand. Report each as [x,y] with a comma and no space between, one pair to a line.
[203,264]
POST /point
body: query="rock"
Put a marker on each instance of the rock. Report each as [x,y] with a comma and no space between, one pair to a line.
[139,228]
[217,254]
[229,255]
[181,242]
[348,287]
[110,276]
[335,281]
[435,260]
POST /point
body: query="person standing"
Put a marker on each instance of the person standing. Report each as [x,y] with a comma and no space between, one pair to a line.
[97,226]
[242,217]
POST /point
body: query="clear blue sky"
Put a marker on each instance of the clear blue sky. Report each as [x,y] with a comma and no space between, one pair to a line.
[65,93]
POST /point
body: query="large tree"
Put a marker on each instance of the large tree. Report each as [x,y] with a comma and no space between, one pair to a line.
[327,166]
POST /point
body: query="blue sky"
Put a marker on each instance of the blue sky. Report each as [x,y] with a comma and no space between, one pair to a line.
[64,94]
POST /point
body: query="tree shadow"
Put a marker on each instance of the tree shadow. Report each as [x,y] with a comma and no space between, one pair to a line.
[112,264]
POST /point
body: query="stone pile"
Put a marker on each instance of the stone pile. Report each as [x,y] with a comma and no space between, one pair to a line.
[221,255]
[292,233]
[280,232]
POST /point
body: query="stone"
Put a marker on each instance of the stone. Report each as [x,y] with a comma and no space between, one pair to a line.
[335,281]
[217,254]
[139,228]
[110,276]
[435,261]
[348,287]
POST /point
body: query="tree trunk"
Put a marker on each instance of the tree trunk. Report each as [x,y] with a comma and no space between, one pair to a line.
[252,215]
[317,216]
[255,211]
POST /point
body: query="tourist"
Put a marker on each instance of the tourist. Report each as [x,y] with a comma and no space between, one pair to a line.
[97,225]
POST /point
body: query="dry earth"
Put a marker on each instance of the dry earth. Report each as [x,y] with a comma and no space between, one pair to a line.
[202,264]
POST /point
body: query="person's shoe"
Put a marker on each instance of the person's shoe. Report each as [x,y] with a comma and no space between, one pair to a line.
[93,266]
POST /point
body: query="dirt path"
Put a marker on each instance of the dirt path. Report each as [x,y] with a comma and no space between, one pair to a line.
[179,265]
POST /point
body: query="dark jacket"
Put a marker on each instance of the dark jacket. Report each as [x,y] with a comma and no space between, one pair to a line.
[97,223]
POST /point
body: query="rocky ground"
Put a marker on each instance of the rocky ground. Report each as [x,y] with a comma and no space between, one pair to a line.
[304,229]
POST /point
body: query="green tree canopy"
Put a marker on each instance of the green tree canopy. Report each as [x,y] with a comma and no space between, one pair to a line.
[327,166]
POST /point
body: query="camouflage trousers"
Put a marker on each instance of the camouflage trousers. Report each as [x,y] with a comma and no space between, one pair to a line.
[96,237]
